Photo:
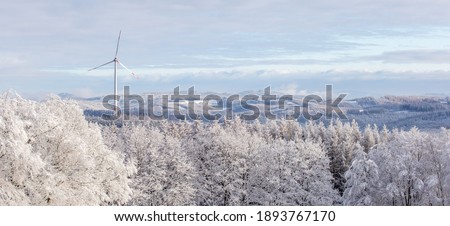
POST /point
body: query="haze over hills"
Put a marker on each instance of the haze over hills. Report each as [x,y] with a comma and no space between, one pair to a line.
[403,112]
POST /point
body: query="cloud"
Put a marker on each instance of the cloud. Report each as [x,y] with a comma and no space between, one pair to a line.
[413,56]
[289,89]
[191,41]
[355,82]
[9,61]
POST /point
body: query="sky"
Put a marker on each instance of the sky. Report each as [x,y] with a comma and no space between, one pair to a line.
[361,47]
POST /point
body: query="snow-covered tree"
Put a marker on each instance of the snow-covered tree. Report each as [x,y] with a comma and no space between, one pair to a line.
[409,168]
[361,184]
[340,143]
[223,157]
[368,139]
[164,174]
[437,168]
[50,155]
[289,173]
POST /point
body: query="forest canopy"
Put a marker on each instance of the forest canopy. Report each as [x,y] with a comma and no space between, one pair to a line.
[50,155]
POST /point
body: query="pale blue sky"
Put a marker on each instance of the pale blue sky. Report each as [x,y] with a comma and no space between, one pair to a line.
[363,47]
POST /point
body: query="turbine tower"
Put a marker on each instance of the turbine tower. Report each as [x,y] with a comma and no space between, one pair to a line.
[115,61]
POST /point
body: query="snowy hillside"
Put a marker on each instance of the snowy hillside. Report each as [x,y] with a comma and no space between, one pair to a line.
[50,155]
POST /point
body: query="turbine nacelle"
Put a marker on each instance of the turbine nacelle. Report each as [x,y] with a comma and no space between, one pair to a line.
[116,60]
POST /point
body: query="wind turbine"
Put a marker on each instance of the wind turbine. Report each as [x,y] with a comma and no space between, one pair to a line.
[115,61]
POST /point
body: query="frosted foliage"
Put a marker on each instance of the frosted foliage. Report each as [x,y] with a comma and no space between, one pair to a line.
[238,165]
[361,181]
[223,157]
[164,175]
[49,155]
[414,168]
[291,173]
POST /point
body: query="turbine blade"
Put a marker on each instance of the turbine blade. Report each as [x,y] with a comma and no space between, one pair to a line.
[101,65]
[118,40]
[132,73]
